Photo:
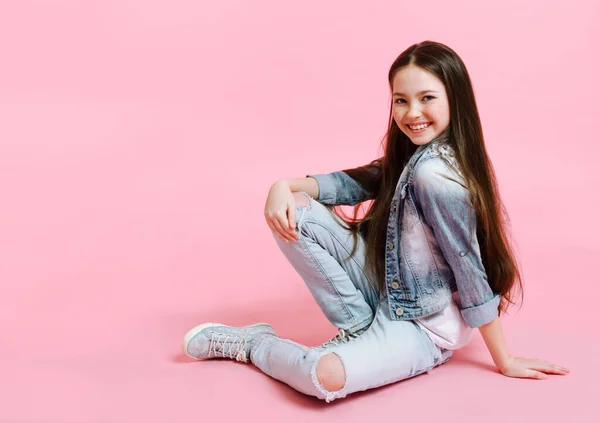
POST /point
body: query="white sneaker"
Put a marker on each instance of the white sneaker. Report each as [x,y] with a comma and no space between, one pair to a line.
[214,340]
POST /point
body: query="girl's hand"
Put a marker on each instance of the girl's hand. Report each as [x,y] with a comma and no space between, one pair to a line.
[530,368]
[280,211]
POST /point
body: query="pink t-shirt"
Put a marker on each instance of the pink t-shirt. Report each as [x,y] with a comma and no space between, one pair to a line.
[447,328]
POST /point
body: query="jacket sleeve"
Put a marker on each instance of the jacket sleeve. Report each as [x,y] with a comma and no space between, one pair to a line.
[444,200]
[349,186]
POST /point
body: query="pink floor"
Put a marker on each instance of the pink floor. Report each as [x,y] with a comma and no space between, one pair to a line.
[92,334]
[70,356]
[138,141]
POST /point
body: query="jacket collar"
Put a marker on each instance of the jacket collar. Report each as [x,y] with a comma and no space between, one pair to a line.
[419,152]
[441,138]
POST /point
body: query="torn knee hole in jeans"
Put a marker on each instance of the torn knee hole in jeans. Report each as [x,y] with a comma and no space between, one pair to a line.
[302,199]
[329,375]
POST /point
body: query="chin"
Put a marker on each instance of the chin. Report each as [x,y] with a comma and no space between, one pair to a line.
[421,141]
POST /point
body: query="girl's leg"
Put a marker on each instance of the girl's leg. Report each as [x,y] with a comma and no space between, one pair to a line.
[320,256]
[387,352]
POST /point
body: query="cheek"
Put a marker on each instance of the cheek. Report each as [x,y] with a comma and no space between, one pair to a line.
[442,116]
[397,117]
[446,118]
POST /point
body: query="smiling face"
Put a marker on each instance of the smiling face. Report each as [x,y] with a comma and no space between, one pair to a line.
[420,107]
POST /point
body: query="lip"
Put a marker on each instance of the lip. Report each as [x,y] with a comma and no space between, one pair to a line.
[416,123]
[419,131]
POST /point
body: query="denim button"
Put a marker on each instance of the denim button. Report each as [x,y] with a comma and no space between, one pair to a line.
[395,285]
[390,245]
[393,207]
[399,312]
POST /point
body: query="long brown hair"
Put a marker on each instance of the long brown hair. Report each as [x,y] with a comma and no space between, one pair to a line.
[465,135]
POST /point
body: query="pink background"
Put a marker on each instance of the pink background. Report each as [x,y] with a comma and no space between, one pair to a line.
[139,139]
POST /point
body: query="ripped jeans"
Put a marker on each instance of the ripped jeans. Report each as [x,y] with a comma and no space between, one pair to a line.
[388,351]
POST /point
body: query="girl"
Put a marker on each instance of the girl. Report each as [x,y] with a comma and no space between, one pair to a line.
[405,284]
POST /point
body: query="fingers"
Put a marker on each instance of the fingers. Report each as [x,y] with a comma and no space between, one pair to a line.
[533,369]
[278,223]
[539,369]
[526,373]
[534,374]
[282,229]
[292,216]
[275,227]
[287,225]
[544,366]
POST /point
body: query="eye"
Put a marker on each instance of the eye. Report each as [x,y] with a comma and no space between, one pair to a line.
[400,100]
[428,97]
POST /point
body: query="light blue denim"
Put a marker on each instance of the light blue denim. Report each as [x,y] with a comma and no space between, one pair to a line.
[388,351]
[431,244]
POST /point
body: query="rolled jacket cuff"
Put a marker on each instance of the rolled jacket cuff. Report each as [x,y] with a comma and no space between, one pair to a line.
[482,314]
[327,194]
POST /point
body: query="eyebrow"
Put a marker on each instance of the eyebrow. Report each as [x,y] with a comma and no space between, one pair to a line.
[419,93]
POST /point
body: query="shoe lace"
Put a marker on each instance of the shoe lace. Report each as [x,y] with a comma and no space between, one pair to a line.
[234,348]
[342,337]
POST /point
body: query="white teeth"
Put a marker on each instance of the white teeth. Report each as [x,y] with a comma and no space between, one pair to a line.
[417,127]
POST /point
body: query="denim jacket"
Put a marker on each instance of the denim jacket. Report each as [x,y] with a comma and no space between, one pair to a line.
[431,245]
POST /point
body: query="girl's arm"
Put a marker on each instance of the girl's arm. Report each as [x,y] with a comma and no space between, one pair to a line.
[444,200]
[348,186]
[514,366]
[309,185]
[447,209]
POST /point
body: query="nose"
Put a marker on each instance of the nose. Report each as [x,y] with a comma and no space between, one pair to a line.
[414,111]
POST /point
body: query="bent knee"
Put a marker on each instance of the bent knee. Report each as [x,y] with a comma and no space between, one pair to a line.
[331,373]
[301,199]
